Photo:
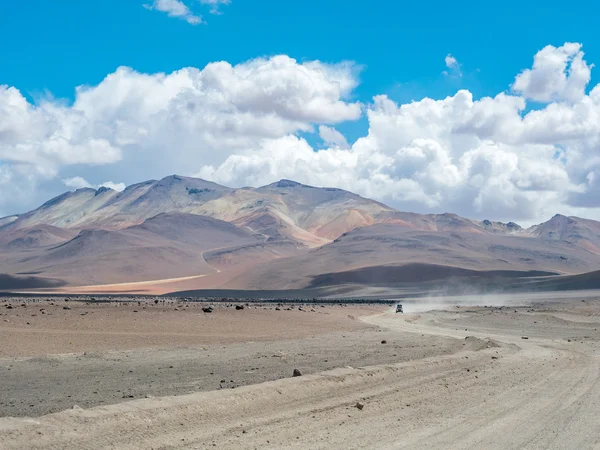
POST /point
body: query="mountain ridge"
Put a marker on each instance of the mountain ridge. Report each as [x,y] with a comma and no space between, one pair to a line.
[283,234]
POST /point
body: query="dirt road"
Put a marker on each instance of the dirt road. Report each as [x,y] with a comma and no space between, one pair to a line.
[508,392]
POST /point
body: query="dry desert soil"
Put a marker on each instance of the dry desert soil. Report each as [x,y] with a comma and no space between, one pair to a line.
[169,376]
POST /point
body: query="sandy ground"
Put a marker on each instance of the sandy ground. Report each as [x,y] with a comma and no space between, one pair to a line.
[462,378]
[42,327]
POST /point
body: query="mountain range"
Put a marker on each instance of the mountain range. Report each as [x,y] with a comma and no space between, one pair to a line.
[183,233]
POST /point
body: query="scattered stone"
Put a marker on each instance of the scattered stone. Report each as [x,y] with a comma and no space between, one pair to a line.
[524,337]
[239,307]
[384,342]
[207,309]
[360,405]
[66,307]
[297,373]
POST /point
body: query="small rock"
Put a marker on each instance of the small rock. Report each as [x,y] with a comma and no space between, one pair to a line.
[66,307]
[239,307]
[360,405]
[384,342]
[524,337]
[297,373]
[207,309]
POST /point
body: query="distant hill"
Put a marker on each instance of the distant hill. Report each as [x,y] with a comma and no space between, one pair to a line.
[282,210]
[285,235]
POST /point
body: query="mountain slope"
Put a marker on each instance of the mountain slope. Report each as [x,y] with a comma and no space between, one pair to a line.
[282,210]
[390,243]
[33,238]
[280,236]
[584,233]
[165,246]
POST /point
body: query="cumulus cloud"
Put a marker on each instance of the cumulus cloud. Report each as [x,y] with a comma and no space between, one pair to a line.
[76,183]
[79,182]
[332,137]
[453,65]
[492,157]
[480,158]
[175,8]
[134,126]
[558,73]
[114,186]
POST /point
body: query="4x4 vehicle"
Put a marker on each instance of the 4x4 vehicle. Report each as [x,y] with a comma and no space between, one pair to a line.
[399,308]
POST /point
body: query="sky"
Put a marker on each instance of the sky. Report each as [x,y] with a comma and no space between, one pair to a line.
[490,111]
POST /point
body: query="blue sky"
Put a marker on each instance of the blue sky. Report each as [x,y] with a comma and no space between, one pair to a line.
[57,45]
[435,157]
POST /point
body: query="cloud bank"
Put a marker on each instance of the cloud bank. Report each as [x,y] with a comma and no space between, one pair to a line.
[521,155]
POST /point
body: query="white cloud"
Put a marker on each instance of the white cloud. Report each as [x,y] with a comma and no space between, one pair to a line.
[134,126]
[558,73]
[333,137]
[119,187]
[18,186]
[79,182]
[480,158]
[453,65]
[451,61]
[175,8]
[240,125]
[214,5]
[76,183]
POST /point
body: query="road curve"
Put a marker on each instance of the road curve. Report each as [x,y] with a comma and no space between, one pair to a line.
[504,393]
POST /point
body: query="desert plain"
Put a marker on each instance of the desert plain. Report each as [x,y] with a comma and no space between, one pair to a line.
[485,372]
